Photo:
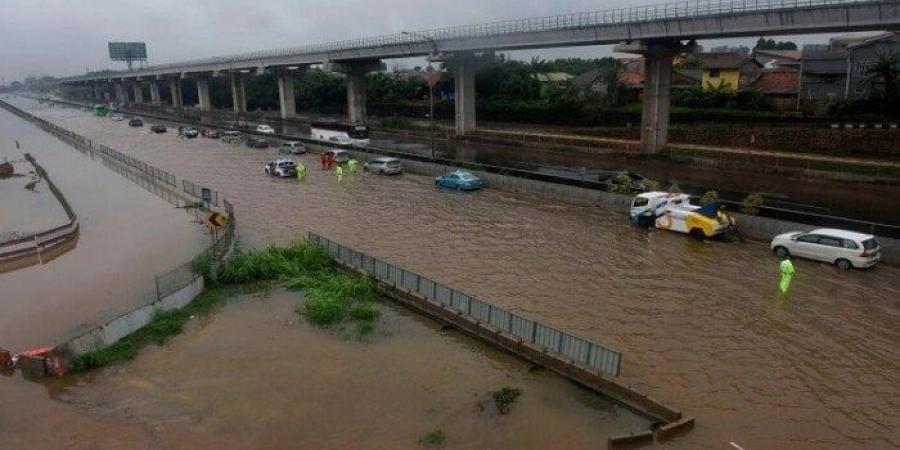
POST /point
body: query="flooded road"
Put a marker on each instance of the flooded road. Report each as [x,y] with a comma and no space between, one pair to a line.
[700,324]
[255,376]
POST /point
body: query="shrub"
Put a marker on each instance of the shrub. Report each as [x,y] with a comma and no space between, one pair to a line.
[436,437]
[505,397]
[674,188]
[709,197]
[752,203]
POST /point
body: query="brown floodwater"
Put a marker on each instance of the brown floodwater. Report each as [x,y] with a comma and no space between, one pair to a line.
[255,375]
[700,323]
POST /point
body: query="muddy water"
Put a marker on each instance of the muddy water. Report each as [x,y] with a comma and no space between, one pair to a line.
[258,377]
[701,324]
[26,203]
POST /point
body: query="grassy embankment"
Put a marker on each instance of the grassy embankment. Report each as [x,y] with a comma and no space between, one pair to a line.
[332,298]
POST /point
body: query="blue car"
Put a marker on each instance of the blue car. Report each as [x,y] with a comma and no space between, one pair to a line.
[460,180]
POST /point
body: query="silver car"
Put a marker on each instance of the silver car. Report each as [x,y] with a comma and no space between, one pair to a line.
[844,249]
[293,148]
[384,166]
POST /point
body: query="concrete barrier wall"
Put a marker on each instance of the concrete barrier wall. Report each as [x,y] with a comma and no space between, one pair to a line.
[111,332]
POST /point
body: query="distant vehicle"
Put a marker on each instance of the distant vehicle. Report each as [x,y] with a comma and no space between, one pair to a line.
[343,133]
[188,131]
[117,117]
[844,249]
[158,128]
[292,148]
[232,137]
[265,129]
[210,133]
[256,142]
[100,110]
[136,122]
[281,167]
[461,180]
[384,166]
[669,211]
[339,156]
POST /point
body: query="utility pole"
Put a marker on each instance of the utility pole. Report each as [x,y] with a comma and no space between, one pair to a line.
[433,77]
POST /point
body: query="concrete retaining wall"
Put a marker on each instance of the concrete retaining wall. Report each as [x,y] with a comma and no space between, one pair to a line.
[111,332]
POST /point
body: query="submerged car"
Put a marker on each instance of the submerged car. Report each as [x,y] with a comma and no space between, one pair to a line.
[281,167]
[338,156]
[844,249]
[461,180]
[293,148]
[265,129]
[158,128]
[188,131]
[210,133]
[384,166]
[256,142]
[117,117]
[135,122]
[232,137]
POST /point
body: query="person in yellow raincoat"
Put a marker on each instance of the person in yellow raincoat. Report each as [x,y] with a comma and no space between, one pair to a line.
[339,173]
[787,274]
[301,172]
[353,165]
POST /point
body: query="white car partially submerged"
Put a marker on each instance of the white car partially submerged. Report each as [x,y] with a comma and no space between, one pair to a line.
[844,249]
[281,167]
[265,129]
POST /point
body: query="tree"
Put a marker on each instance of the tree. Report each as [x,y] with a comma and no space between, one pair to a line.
[885,73]
[770,44]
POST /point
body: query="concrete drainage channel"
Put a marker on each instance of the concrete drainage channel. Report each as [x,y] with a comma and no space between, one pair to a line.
[585,363]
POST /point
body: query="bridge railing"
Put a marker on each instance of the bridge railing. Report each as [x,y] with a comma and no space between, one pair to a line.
[616,16]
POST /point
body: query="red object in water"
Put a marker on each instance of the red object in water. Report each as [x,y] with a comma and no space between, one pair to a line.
[41,351]
[324,159]
[55,364]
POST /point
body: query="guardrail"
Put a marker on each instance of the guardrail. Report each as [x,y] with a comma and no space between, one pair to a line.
[545,337]
[433,37]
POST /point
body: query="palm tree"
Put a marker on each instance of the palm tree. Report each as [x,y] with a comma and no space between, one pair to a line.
[885,71]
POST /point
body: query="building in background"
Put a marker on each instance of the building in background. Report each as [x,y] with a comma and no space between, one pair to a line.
[731,71]
[839,69]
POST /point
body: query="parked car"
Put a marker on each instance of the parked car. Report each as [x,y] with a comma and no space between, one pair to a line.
[293,148]
[340,140]
[210,133]
[281,167]
[339,156]
[135,122]
[461,180]
[844,249]
[232,137]
[188,131]
[117,117]
[158,128]
[256,142]
[384,166]
[265,129]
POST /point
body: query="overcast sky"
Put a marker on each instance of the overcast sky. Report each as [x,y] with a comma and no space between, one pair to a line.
[66,37]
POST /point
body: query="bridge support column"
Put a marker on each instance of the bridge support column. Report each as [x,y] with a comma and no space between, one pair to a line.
[464,79]
[238,93]
[121,92]
[138,88]
[203,94]
[286,95]
[355,71]
[657,96]
[154,92]
[175,91]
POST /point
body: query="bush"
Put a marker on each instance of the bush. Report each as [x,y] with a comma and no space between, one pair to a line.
[674,188]
[709,197]
[505,397]
[436,437]
[752,203]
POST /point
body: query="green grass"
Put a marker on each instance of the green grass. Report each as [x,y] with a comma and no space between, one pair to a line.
[332,297]
[436,437]
[504,398]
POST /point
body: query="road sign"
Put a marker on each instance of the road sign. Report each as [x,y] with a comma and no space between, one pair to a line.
[214,220]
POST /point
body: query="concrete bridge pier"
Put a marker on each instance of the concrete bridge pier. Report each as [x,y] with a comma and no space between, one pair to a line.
[355,72]
[464,79]
[154,92]
[657,96]
[238,93]
[138,89]
[95,92]
[121,92]
[286,99]
[203,94]
[175,91]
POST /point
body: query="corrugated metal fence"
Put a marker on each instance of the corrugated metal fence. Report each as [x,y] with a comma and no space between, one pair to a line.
[551,339]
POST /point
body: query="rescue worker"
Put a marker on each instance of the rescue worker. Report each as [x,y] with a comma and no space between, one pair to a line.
[339,173]
[324,158]
[787,274]
[329,160]
[301,171]
[353,164]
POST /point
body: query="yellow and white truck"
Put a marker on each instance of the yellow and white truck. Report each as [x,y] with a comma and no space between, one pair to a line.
[671,211]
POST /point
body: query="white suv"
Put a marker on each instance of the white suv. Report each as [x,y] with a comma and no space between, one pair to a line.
[265,129]
[845,249]
[281,167]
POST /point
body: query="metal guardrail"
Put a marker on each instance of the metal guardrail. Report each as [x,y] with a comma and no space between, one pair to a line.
[545,337]
[433,38]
